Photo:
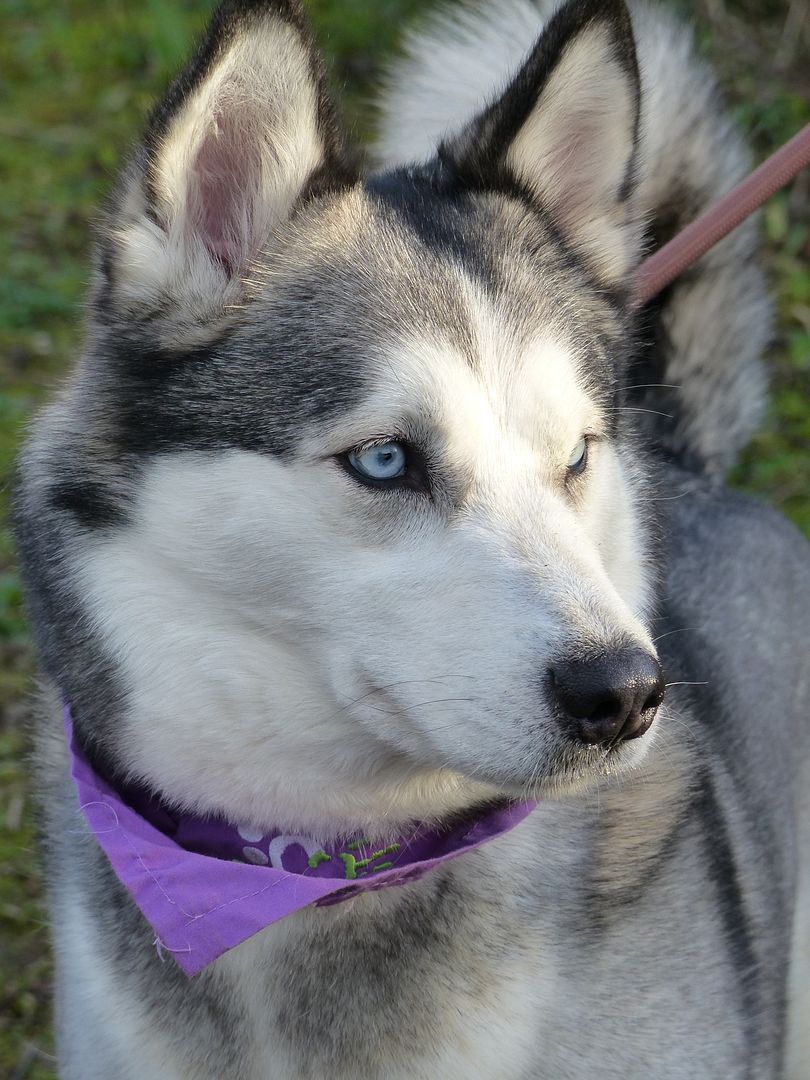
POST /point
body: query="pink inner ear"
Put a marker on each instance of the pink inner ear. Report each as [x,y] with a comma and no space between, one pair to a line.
[575,168]
[223,190]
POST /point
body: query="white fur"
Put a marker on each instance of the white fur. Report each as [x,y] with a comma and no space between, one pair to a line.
[298,652]
[247,140]
[446,52]
[574,150]
[491,1034]
[96,1009]
[252,604]
[444,78]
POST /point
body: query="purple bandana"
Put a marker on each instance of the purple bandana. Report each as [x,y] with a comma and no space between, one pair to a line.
[205,886]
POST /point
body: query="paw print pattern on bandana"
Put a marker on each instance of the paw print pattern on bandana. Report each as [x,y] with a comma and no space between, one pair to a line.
[253,836]
[252,854]
[255,855]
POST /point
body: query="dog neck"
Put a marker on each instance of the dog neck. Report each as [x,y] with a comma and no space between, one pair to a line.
[205,885]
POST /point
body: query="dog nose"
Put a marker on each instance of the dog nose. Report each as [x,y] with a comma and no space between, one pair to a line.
[610,697]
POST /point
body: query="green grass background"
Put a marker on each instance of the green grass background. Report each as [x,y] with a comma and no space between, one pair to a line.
[76,79]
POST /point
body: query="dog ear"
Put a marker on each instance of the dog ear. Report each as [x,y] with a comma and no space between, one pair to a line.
[565,131]
[243,135]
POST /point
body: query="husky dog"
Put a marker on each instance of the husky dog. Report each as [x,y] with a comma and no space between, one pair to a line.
[372,502]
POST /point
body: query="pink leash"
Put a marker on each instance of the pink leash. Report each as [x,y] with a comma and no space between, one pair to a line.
[662,267]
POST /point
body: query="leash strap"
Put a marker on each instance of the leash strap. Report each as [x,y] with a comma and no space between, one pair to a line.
[661,268]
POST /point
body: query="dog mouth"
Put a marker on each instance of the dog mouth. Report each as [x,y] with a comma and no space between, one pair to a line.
[570,768]
[576,770]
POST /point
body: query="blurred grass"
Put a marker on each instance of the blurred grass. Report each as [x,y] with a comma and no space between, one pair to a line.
[75,82]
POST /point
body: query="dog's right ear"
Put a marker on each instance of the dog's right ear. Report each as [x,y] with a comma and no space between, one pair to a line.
[565,130]
[245,133]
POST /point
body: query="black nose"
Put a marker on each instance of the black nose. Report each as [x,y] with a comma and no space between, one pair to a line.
[610,697]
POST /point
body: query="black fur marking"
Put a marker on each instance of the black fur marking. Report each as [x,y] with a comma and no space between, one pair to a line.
[615,296]
[452,191]
[606,902]
[442,176]
[69,650]
[330,178]
[217,398]
[647,371]
[647,390]
[456,224]
[740,935]
[87,501]
[441,217]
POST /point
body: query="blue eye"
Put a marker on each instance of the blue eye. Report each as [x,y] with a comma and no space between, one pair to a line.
[386,461]
[579,456]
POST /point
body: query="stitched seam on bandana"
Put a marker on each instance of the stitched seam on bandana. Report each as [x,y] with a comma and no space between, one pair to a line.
[235,900]
[190,916]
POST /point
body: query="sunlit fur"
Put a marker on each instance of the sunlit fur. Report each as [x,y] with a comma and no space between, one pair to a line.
[244,626]
[716,320]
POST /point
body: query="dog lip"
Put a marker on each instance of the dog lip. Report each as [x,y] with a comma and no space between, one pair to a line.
[534,785]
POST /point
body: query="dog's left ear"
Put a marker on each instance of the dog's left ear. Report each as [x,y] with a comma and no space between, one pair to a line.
[565,131]
[244,135]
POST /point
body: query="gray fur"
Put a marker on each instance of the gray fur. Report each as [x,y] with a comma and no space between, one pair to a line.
[645,923]
[705,336]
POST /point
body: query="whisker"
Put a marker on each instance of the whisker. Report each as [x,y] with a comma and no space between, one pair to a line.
[652,412]
[672,498]
[419,705]
[683,630]
[391,686]
[654,386]
[670,719]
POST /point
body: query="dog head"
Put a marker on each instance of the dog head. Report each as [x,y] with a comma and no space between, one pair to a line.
[353,509]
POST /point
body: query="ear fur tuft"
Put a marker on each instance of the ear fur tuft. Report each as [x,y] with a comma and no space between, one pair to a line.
[565,132]
[244,133]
